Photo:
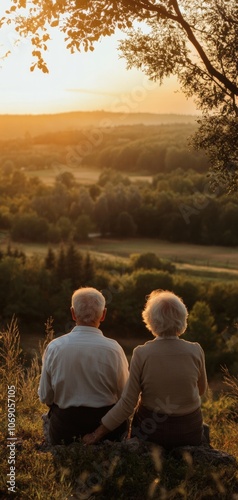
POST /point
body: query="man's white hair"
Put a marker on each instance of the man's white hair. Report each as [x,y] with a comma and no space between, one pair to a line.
[165,314]
[88,304]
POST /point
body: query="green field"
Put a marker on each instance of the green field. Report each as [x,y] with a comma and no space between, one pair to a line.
[83,175]
[213,262]
[225,258]
[210,262]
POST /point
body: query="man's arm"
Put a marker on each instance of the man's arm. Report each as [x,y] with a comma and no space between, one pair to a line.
[123,373]
[45,391]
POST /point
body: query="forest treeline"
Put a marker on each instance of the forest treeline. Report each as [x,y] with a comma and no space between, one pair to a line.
[34,289]
[179,207]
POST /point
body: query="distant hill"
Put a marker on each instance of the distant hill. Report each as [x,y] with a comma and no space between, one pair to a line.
[18,126]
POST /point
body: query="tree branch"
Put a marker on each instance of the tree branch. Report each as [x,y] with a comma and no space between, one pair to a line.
[212,71]
[159,9]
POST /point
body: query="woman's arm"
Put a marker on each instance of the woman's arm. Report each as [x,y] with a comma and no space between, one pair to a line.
[95,436]
[123,408]
[202,380]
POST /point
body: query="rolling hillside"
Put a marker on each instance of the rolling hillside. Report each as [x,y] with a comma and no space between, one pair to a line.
[18,126]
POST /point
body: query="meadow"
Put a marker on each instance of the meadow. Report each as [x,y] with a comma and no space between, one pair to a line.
[218,262]
[86,175]
[217,259]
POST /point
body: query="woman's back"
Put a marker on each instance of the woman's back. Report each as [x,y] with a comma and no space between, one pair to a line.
[172,372]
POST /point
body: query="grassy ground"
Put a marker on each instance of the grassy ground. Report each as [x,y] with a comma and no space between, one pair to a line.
[109,471]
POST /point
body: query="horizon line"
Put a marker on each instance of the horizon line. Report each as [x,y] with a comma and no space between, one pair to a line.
[99,111]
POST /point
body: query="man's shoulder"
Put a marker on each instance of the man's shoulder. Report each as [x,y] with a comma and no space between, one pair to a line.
[111,343]
[58,341]
[99,342]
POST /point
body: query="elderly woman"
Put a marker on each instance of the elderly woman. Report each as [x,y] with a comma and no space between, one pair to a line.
[167,378]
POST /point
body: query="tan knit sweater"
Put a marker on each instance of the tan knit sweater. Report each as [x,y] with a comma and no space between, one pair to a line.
[168,373]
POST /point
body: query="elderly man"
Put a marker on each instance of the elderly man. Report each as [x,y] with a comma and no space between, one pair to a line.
[83,373]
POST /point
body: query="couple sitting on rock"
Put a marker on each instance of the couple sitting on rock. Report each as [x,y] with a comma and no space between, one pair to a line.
[86,382]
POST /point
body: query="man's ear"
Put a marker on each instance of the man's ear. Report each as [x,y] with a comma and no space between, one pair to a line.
[73,313]
[103,315]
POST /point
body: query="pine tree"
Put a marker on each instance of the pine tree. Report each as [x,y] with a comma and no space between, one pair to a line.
[74,266]
[50,260]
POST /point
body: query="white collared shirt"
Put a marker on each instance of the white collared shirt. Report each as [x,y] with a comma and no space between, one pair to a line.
[83,368]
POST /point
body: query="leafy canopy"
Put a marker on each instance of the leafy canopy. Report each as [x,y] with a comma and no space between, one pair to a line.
[196,41]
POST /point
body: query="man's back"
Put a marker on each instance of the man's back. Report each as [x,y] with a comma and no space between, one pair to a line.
[83,372]
[85,369]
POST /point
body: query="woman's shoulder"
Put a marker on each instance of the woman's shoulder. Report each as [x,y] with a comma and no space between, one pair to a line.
[144,347]
[192,346]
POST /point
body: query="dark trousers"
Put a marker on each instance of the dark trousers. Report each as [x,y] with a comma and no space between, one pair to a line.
[166,430]
[69,424]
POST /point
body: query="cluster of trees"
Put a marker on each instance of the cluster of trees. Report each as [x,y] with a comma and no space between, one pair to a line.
[140,149]
[180,207]
[34,289]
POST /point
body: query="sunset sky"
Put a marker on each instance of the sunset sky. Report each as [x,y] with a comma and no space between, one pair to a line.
[80,82]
